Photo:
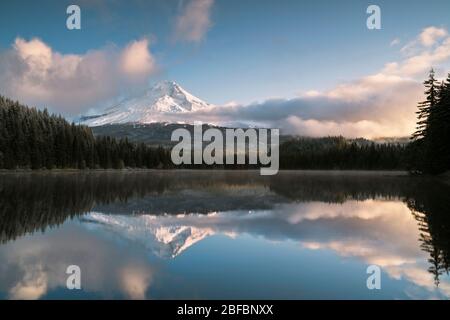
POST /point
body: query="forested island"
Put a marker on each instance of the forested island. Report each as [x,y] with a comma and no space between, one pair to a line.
[34,139]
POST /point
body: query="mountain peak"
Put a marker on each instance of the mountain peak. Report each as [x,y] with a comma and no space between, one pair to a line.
[165,97]
[165,86]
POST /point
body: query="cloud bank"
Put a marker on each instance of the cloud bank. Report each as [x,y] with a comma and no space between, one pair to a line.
[32,72]
[378,105]
[374,106]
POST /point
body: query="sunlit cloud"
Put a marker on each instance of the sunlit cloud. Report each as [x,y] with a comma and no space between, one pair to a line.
[32,72]
[136,59]
[378,105]
[430,35]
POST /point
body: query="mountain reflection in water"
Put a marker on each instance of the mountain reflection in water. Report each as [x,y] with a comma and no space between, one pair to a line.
[397,222]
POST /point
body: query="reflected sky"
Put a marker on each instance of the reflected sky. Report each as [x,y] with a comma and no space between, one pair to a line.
[296,236]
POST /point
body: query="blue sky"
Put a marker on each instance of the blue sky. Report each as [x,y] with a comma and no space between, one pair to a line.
[246,51]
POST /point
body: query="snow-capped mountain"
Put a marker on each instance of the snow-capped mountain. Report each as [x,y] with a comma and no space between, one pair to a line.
[153,232]
[166,97]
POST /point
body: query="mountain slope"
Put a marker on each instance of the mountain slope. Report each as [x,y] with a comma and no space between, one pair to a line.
[165,97]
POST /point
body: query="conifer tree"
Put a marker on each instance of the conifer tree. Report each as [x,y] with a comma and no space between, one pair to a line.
[421,149]
[425,107]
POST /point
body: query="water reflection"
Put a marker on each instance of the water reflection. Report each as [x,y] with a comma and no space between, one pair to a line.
[135,233]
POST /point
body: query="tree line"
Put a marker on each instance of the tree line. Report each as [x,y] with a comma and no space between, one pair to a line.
[34,139]
[341,154]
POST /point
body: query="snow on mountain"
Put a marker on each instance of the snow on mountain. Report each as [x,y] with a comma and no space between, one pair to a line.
[166,97]
[164,240]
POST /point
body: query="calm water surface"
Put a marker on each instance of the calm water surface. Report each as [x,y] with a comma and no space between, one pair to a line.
[214,235]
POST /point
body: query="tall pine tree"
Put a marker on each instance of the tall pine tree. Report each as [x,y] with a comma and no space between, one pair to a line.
[431,92]
[419,159]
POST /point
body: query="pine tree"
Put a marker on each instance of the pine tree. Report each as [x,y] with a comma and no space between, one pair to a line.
[425,107]
[418,150]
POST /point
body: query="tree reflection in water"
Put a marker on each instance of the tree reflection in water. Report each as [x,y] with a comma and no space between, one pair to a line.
[34,202]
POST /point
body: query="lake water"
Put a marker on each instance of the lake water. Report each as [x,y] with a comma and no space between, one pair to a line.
[223,235]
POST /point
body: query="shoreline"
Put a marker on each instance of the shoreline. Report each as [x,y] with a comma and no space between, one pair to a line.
[136,170]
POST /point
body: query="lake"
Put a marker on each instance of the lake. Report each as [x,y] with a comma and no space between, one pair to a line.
[223,235]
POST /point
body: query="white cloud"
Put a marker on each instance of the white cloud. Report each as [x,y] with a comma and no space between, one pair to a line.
[428,38]
[421,61]
[32,72]
[430,35]
[137,60]
[363,128]
[194,20]
[374,106]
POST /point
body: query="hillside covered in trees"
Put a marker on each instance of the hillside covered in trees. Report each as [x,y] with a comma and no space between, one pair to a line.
[34,139]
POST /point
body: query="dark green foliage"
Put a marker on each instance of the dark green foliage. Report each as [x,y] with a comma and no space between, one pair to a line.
[430,150]
[430,205]
[426,107]
[33,139]
[339,153]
